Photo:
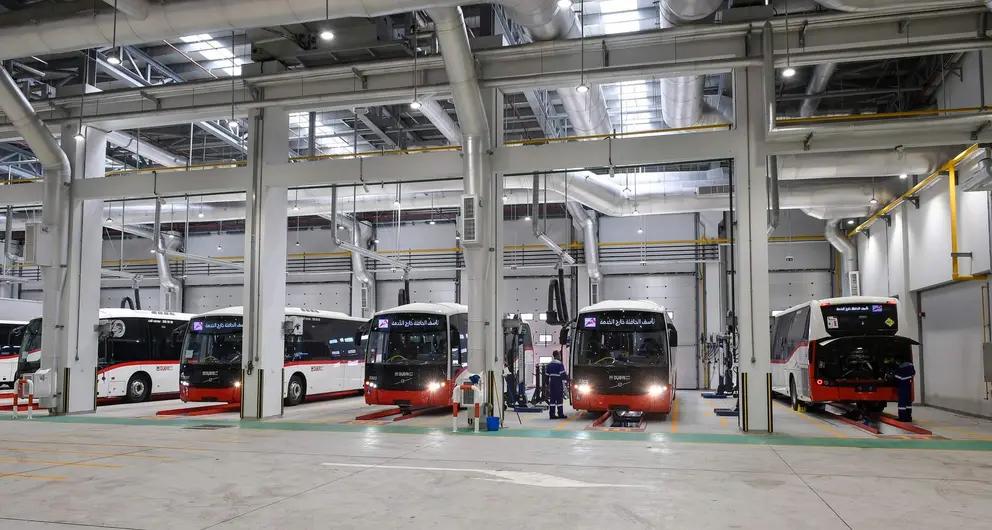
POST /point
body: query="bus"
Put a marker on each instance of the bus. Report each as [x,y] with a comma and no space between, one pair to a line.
[621,358]
[10,347]
[414,353]
[319,354]
[839,350]
[137,355]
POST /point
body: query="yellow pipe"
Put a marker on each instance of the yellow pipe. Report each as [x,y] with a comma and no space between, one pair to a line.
[543,141]
[952,177]
[914,190]
[19,181]
[212,165]
[882,115]
[377,153]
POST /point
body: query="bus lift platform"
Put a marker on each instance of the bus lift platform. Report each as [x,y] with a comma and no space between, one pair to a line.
[878,424]
[401,412]
[619,420]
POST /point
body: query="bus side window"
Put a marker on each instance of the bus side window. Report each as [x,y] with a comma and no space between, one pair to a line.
[132,345]
[459,351]
[780,337]
[799,330]
[346,339]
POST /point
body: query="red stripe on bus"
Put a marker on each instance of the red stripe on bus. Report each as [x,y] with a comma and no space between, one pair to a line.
[135,363]
[9,356]
[791,355]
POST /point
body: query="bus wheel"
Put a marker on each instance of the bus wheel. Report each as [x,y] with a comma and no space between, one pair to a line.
[294,394]
[138,388]
[793,398]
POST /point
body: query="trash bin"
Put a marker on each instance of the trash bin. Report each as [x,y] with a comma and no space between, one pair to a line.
[492,423]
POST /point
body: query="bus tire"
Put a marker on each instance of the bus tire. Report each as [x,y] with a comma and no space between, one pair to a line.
[793,396]
[139,388]
[296,391]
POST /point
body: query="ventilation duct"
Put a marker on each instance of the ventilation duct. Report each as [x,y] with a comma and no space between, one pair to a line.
[360,237]
[433,111]
[682,97]
[587,223]
[848,251]
[538,233]
[164,243]
[888,163]
[861,6]
[817,85]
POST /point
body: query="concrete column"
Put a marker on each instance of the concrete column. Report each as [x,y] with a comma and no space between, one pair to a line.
[75,345]
[265,267]
[752,259]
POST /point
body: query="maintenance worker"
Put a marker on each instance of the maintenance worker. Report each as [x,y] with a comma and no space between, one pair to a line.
[904,374]
[557,378]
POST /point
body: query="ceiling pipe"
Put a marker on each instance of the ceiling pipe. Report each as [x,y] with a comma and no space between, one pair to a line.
[433,111]
[682,97]
[204,259]
[359,234]
[887,163]
[58,177]
[817,85]
[848,250]
[538,233]
[134,9]
[773,191]
[587,223]
[169,286]
[861,6]
[145,149]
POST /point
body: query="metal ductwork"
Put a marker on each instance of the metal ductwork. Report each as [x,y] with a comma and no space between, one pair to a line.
[848,251]
[439,117]
[682,97]
[817,85]
[134,9]
[144,149]
[587,223]
[774,204]
[360,237]
[888,163]
[861,6]
[58,177]
[163,244]
[538,233]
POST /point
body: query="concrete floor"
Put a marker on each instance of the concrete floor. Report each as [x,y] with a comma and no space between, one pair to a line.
[104,472]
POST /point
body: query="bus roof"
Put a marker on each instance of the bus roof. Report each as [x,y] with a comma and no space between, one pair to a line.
[443,308]
[120,312]
[239,311]
[14,322]
[843,300]
[624,305]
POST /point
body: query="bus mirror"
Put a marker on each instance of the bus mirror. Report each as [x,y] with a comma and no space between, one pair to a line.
[673,336]
[358,338]
[287,327]
[563,336]
[103,330]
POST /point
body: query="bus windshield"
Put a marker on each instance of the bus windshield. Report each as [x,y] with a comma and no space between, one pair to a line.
[622,337]
[408,339]
[848,320]
[31,341]
[213,340]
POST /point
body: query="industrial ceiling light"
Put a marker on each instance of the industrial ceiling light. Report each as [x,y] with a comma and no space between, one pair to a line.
[582,88]
[640,230]
[219,247]
[432,222]
[326,35]
[506,197]
[416,104]
[200,215]
[114,59]
[903,176]
[297,242]
[789,72]
[296,201]
[635,211]
[110,220]
[527,218]
[79,135]
[850,221]
[873,200]
[565,4]
[376,240]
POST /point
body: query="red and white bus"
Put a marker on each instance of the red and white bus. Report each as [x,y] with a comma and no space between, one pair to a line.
[414,353]
[138,356]
[10,348]
[320,356]
[622,357]
[839,350]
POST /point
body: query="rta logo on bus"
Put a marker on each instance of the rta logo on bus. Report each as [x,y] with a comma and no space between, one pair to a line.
[316,368]
[167,368]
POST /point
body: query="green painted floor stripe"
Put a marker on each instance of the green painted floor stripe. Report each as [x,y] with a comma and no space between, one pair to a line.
[731,439]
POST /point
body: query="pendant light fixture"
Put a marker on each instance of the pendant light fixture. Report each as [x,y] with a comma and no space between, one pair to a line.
[326,34]
[583,87]
[415,104]
[112,58]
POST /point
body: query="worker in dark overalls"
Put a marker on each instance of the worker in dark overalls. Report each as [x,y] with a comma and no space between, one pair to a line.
[904,374]
[557,378]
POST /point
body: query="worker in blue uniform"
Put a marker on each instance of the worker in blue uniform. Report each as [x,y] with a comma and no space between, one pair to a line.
[557,378]
[904,374]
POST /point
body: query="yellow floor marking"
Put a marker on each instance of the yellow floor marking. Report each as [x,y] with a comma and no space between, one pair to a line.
[723,421]
[128,446]
[561,426]
[91,453]
[157,439]
[675,416]
[56,463]
[22,475]
[819,423]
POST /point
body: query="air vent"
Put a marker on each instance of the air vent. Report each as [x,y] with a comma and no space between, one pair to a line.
[365,299]
[35,245]
[854,283]
[975,174]
[470,221]
[593,293]
[722,189]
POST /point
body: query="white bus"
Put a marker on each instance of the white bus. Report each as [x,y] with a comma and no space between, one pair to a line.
[137,358]
[320,356]
[10,347]
[840,350]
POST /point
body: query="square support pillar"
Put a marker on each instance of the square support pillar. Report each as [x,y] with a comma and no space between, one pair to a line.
[753,313]
[265,267]
[74,350]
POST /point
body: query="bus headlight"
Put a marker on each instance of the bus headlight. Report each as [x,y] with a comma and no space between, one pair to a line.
[434,386]
[583,388]
[237,384]
[657,390]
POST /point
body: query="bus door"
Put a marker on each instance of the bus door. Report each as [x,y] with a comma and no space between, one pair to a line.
[102,363]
